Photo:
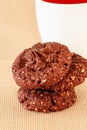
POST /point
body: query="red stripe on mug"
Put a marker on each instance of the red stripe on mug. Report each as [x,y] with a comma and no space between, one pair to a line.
[66,1]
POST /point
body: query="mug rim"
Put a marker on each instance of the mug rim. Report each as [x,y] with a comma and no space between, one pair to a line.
[64,3]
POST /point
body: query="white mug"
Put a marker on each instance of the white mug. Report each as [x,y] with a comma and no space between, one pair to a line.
[63,23]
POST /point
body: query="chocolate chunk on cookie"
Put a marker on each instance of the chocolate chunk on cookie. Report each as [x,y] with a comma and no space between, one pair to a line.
[46,101]
[42,65]
[75,76]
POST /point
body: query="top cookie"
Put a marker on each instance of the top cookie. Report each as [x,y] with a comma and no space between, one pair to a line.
[42,65]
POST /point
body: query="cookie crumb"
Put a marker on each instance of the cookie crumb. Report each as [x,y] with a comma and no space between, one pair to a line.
[82,70]
[36,109]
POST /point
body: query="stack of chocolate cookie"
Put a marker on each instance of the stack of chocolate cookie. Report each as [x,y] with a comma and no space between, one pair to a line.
[47,74]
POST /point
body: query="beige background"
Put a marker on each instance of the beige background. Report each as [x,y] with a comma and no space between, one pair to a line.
[18,30]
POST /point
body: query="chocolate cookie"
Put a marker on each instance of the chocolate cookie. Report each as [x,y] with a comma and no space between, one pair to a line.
[42,65]
[75,76]
[46,101]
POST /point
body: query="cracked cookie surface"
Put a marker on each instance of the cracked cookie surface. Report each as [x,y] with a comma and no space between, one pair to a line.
[42,65]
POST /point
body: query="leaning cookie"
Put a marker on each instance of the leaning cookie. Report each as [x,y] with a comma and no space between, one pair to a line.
[46,101]
[78,58]
[42,65]
[75,76]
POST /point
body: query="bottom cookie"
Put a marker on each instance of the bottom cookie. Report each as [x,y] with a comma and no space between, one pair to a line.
[46,101]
